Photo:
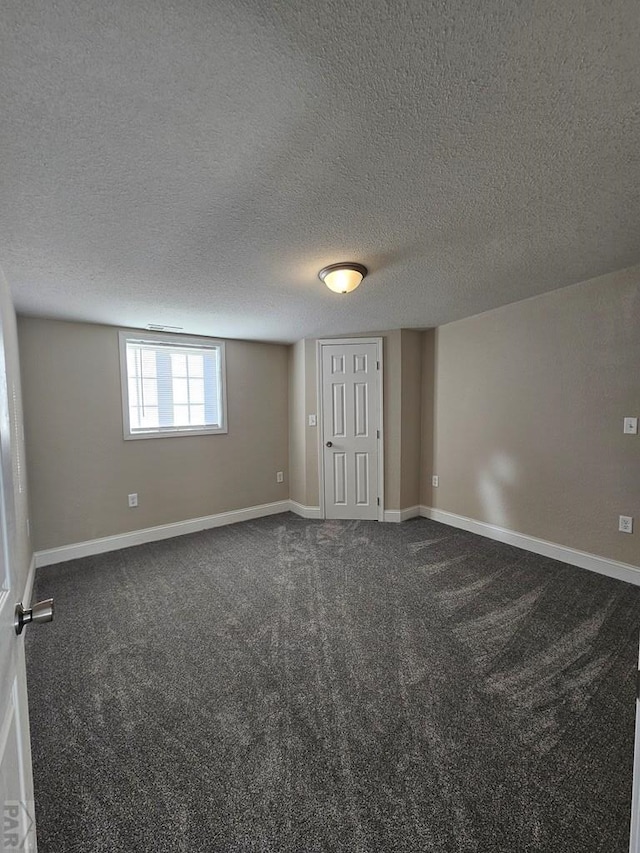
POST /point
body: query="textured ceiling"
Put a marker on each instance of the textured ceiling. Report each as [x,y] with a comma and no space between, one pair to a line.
[195,163]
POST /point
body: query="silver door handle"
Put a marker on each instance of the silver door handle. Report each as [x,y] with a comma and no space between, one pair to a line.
[40,612]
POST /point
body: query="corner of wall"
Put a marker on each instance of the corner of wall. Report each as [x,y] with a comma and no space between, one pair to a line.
[427,415]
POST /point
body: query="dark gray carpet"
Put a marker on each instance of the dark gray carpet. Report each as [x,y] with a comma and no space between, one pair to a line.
[298,686]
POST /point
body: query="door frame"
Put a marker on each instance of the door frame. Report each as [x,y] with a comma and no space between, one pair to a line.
[325,342]
[14,711]
[634,833]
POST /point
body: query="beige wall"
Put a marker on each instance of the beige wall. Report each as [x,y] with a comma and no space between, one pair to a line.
[519,411]
[15,486]
[529,401]
[81,469]
[297,421]
[392,414]
[427,374]
[410,452]
[312,475]
[303,447]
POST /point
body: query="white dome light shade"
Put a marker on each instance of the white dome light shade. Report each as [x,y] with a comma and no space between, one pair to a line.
[342,278]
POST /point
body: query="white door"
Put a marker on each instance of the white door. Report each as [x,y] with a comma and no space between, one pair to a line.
[17,828]
[634,843]
[351,429]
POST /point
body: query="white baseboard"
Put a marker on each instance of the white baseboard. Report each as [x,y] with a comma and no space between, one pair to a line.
[602,565]
[392,515]
[153,534]
[582,559]
[304,511]
[398,515]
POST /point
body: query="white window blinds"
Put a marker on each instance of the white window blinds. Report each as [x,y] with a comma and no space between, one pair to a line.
[172,386]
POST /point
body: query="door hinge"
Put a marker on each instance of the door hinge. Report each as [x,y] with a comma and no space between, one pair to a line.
[378,501]
[377,433]
[377,365]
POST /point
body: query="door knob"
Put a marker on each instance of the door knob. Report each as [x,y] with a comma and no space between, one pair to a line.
[329,444]
[40,612]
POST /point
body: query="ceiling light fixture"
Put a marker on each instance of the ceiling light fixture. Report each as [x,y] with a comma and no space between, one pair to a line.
[342,278]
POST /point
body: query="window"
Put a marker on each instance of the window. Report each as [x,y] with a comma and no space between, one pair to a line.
[172,385]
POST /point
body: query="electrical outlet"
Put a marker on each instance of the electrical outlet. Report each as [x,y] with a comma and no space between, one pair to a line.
[435,481]
[630,426]
[279,477]
[625,524]
[133,500]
